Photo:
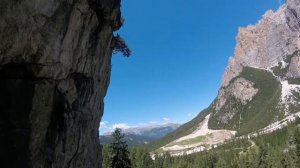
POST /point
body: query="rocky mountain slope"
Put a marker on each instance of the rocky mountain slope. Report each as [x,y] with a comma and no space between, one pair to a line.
[260,86]
[142,134]
[55,62]
[257,84]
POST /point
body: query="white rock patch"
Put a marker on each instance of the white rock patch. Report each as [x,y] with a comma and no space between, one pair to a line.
[287,96]
[284,64]
[217,137]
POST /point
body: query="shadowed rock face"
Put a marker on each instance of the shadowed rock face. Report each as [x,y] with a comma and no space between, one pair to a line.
[55,61]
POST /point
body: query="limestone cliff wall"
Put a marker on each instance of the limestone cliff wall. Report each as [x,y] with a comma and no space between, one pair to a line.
[272,44]
[55,62]
[265,44]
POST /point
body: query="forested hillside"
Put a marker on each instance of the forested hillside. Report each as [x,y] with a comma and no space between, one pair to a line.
[278,149]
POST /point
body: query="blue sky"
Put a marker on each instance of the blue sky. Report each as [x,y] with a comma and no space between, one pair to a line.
[180,49]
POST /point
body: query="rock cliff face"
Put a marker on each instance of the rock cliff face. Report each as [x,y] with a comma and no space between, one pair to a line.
[267,43]
[267,55]
[55,61]
[242,89]
[271,44]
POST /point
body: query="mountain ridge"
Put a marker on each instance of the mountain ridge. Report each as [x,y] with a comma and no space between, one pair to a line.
[260,84]
[144,134]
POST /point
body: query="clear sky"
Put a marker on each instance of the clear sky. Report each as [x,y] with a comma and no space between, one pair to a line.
[180,49]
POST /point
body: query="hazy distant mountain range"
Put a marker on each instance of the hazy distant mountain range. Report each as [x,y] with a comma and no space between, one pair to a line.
[142,134]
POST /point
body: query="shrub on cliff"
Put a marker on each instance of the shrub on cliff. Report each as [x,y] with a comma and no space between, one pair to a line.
[119,45]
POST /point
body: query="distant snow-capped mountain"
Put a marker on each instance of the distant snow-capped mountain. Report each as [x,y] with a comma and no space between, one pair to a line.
[142,134]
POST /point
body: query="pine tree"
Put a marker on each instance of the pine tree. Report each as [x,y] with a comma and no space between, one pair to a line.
[147,161]
[167,160]
[140,158]
[211,160]
[133,157]
[119,150]
[158,161]
[297,143]
[221,163]
[262,156]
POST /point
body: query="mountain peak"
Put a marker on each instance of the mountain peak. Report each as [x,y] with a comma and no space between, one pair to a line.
[260,88]
[265,44]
